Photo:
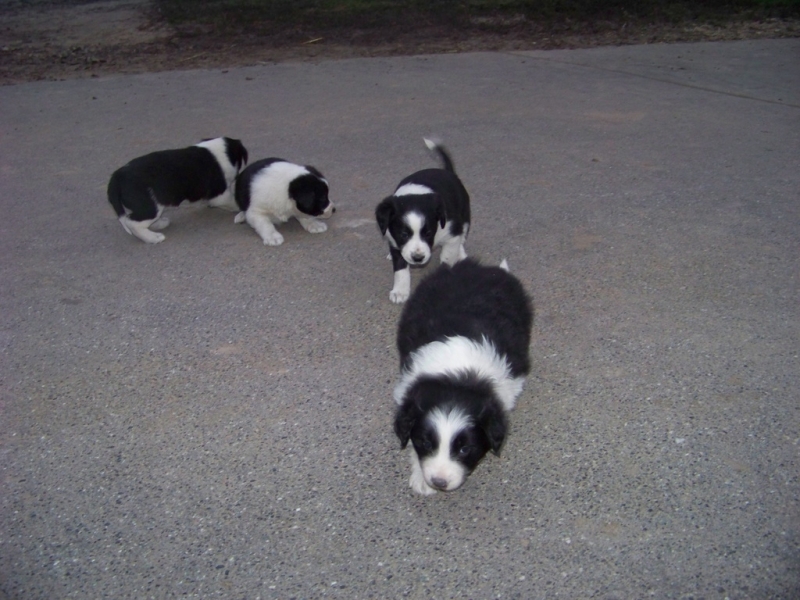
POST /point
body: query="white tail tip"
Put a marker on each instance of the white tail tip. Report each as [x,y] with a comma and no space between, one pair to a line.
[504,265]
[432,144]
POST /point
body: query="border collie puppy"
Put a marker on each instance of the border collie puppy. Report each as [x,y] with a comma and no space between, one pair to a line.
[429,209]
[273,191]
[463,340]
[140,190]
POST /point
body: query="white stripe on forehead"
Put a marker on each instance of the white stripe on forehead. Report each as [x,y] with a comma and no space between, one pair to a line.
[447,425]
[414,220]
[412,189]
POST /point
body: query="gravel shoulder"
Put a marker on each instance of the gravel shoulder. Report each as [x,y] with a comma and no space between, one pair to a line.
[68,39]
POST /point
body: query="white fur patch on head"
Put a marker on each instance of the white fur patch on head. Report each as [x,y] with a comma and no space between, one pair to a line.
[439,470]
[412,189]
[415,251]
[269,191]
[459,354]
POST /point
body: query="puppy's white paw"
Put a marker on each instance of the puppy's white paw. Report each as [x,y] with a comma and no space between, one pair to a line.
[273,239]
[240,218]
[417,483]
[398,297]
[154,238]
[315,226]
[160,224]
[225,201]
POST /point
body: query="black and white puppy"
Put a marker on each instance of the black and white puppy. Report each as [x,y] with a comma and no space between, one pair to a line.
[463,340]
[429,209]
[140,190]
[273,190]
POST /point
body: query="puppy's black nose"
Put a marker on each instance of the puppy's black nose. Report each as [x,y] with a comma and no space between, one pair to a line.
[334,209]
[439,482]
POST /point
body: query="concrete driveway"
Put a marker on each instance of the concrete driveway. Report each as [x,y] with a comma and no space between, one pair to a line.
[211,418]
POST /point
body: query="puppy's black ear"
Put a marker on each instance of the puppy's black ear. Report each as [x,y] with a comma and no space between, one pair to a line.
[237,153]
[441,215]
[305,201]
[384,213]
[309,193]
[404,421]
[493,422]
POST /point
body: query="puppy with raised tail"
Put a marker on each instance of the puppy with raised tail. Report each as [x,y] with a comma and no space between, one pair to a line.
[429,209]
[273,190]
[463,340]
[140,190]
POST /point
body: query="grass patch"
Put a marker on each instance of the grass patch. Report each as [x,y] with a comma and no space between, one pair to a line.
[330,14]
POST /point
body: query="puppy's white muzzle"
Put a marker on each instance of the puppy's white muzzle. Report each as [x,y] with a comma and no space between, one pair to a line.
[328,211]
[416,254]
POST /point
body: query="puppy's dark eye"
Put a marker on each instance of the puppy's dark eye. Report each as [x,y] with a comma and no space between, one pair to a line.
[423,444]
[464,450]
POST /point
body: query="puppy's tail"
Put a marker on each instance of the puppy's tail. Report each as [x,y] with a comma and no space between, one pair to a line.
[115,194]
[504,265]
[437,147]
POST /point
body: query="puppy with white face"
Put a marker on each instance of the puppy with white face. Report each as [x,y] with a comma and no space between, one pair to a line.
[273,190]
[463,341]
[428,210]
[140,190]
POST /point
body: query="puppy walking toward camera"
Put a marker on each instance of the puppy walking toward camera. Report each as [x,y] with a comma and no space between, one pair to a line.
[429,209]
[273,190]
[463,340]
[140,190]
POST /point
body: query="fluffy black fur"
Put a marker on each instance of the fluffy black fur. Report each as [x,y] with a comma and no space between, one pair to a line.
[168,177]
[445,215]
[473,301]
[464,301]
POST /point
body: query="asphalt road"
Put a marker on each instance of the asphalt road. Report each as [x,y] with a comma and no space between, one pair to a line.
[211,418]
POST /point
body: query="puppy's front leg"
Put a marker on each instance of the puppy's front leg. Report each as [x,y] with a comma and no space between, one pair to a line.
[140,230]
[402,278]
[264,228]
[417,480]
[312,225]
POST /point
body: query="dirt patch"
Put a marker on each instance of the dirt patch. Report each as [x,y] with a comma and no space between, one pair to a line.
[65,39]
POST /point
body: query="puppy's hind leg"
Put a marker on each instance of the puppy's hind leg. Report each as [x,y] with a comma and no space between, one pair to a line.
[225,201]
[462,253]
[453,250]
[160,224]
